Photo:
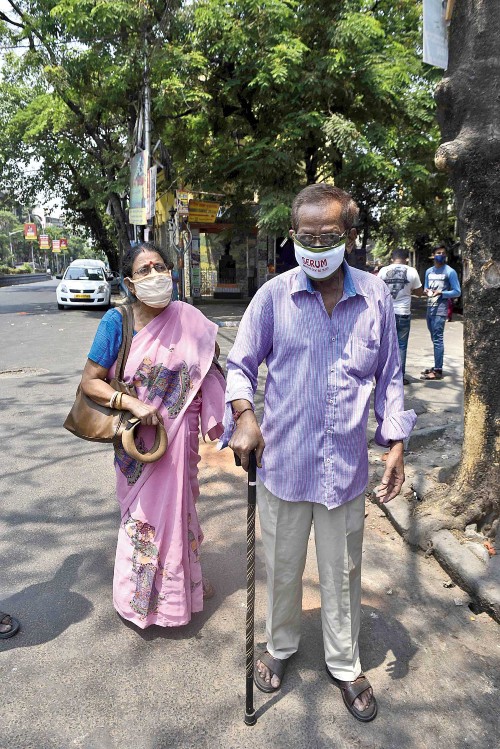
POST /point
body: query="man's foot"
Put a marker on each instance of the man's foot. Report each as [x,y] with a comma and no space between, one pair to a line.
[435,374]
[269,672]
[358,697]
[8,626]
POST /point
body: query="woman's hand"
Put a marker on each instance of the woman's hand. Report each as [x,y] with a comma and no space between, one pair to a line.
[149,415]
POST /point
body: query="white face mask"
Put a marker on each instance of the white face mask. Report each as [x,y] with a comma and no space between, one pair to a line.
[155,290]
[319,265]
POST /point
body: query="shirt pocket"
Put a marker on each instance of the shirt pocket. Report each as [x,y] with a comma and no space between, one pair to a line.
[363,357]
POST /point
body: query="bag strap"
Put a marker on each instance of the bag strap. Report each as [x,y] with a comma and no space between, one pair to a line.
[127,331]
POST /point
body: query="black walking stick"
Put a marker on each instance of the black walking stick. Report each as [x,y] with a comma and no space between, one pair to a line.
[250,717]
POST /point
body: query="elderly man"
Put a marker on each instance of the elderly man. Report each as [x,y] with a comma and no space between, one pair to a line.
[326,331]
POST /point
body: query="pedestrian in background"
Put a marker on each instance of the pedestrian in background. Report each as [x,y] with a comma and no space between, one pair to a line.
[403,281]
[158,578]
[325,331]
[441,284]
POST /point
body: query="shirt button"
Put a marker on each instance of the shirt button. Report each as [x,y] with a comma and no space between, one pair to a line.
[332,338]
[329,431]
[328,460]
[330,400]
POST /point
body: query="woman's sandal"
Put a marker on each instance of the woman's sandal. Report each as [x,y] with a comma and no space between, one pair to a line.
[208,589]
[276,667]
[13,623]
[351,692]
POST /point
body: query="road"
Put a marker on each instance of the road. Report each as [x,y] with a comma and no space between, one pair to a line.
[77,677]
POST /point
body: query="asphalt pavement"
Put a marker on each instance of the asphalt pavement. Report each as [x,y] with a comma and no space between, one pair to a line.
[77,676]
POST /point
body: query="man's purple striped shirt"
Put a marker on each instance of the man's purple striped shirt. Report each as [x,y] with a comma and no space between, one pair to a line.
[320,377]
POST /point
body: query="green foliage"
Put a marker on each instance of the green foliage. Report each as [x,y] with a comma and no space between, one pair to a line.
[253,98]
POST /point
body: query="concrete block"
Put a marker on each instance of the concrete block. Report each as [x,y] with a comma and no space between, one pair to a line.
[422,437]
[480,580]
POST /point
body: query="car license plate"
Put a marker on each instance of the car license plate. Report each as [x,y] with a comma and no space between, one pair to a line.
[82,296]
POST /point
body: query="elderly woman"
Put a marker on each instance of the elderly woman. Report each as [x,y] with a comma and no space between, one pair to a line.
[178,382]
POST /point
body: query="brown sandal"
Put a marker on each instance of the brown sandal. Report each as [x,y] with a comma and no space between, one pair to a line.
[433,375]
[353,690]
[277,668]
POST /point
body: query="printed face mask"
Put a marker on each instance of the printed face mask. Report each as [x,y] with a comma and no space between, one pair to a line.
[319,265]
[155,290]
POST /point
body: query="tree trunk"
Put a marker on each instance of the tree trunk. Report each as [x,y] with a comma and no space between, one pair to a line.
[469,117]
[121,223]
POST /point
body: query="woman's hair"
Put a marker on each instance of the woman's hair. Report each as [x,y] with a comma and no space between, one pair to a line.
[134,252]
[322,194]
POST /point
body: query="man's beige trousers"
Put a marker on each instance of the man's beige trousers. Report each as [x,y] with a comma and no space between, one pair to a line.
[285,528]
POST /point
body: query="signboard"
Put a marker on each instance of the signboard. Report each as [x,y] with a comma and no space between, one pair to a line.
[30,232]
[435,33]
[182,200]
[203,211]
[56,245]
[151,192]
[44,242]
[63,243]
[138,189]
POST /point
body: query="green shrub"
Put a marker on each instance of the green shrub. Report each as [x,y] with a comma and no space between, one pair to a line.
[26,268]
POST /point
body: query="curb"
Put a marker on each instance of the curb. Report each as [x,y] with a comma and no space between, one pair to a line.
[481,581]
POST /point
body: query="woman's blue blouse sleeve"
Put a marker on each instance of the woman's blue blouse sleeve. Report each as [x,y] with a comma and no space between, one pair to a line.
[108,338]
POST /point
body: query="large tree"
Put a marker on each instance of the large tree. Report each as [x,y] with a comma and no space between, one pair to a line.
[468,108]
[283,93]
[70,102]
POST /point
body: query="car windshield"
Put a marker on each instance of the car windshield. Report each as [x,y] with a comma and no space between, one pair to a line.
[84,274]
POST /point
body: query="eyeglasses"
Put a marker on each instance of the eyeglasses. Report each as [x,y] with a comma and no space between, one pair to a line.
[307,241]
[145,270]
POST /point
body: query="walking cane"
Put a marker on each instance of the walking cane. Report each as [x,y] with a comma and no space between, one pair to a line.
[250,717]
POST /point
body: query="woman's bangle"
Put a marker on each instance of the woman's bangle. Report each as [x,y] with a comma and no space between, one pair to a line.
[113,398]
[237,414]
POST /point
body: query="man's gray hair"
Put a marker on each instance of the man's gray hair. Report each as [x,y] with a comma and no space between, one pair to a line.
[322,194]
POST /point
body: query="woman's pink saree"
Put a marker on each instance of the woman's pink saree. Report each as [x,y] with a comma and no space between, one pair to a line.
[157,576]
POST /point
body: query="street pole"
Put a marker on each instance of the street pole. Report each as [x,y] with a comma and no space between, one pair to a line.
[147,124]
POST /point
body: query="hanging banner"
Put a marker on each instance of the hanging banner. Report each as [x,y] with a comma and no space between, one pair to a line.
[151,192]
[203,211]
[435,33]
[63,243]
[56,245]
[182,202]
[138,189]
[44,242]
[30,232]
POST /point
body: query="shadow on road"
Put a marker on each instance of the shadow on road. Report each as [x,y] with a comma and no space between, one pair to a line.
[47,609]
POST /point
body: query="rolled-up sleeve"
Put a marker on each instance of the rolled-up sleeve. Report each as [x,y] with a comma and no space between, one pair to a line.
[252,345]
[394,423]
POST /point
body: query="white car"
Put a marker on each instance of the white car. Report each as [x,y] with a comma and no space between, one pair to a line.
[84,283]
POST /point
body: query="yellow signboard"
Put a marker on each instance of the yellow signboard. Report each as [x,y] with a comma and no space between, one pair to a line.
[203,211]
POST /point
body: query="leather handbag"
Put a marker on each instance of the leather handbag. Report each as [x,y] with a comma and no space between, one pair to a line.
[91,421]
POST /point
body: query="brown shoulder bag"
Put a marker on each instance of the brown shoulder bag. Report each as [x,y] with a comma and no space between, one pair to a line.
[91,421]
